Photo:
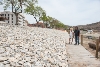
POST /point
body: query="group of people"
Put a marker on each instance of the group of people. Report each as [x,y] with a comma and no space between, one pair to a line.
[74,34]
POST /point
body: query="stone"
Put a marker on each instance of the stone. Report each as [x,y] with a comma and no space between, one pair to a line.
[93,46]
[23,45]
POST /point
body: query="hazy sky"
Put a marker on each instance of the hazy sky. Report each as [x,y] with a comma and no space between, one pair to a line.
[73,12]
[70,12]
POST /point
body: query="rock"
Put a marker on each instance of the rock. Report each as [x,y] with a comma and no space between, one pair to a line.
[93,46]
[2,59]
[2,50]
[26,46]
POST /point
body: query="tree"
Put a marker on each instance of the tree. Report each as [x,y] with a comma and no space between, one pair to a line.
[16,6]
[54,23]
[50,21]
[44,18]
[35,11]
[30,9]
[40,13]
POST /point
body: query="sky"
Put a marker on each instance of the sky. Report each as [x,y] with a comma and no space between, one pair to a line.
[70,12]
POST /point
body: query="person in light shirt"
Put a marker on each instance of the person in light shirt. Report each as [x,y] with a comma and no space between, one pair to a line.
[71,35]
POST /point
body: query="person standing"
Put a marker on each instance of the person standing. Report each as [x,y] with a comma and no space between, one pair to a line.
[76,34]
[71,35]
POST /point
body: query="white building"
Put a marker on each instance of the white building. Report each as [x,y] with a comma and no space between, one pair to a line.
[12,18]
[21,19]
[90,31]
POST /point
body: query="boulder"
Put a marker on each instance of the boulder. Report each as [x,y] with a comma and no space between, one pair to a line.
[93,46]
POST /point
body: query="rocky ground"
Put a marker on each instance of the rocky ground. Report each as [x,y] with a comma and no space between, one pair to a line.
[32,47]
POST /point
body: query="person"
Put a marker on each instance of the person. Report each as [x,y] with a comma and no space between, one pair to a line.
[76,34]
[71,35]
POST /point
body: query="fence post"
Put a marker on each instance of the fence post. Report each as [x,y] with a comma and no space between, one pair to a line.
[81,39]
[99,39]
[97,45]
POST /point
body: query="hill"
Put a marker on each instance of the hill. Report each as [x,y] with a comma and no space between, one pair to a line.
[93,26]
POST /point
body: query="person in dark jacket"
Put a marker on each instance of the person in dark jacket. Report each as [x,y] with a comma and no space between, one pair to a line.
[76,34]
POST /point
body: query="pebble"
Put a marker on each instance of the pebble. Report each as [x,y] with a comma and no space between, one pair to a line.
[32,47]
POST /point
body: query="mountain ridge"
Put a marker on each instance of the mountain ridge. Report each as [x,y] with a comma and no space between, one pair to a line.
[93,26]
